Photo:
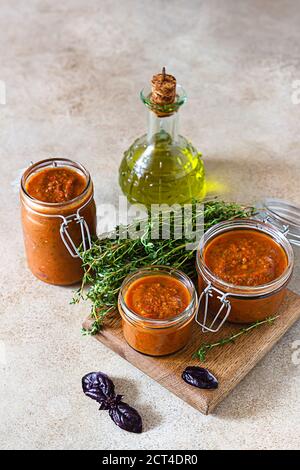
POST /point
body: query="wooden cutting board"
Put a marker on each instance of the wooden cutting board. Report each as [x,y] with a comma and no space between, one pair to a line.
[229,363]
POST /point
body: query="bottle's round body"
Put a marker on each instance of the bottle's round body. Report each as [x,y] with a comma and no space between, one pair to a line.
[162,172]
[47,256]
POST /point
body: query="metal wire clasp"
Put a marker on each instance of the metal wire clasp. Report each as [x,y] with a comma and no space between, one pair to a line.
[225,303]
[284,229]
[84,229]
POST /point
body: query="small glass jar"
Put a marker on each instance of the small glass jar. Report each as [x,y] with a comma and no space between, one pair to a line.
[157,337]
[54,231]
[220,301]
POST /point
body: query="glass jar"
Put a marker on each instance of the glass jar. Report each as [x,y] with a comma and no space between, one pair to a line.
[162,166]
[54,231]
[157,337]
[221,301]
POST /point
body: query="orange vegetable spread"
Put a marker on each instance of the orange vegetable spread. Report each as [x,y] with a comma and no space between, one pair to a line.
[53,193]
[56,184]
[245,258]
[164,308]
[157,297]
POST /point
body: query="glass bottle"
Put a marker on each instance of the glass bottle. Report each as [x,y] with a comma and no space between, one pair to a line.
[162,166]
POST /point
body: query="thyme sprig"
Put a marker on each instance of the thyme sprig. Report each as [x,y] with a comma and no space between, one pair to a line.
[111,259]
[201,353]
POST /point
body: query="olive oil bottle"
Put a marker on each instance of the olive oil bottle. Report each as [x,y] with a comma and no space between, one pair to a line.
[162,167]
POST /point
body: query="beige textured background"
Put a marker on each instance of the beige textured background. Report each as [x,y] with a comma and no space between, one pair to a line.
[73,71]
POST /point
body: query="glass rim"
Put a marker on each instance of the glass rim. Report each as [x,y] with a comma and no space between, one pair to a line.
[251,224]
[181,98]
[186,315]
[66,162]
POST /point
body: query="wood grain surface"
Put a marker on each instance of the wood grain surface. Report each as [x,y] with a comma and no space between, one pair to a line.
[229,363]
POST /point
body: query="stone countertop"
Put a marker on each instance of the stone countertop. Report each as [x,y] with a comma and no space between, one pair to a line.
[72,72]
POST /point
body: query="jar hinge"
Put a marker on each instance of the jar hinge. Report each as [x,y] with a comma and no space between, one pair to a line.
[84,229]
[225,303]
[284,229]
[64,234]
[67,239]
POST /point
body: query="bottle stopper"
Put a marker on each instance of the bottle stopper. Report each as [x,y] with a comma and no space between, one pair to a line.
[163,93]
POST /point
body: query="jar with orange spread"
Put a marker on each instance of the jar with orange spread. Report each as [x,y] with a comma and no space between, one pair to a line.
[157,305]
[58,215]
[244,267]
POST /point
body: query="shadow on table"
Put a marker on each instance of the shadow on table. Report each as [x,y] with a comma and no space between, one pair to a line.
[267,386]
[151,419]
[248,180]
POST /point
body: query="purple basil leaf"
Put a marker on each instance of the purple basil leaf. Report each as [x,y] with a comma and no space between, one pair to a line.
[126,417]
[199,377]
[99,387]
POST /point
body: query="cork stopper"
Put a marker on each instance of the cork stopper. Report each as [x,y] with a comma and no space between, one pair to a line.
[163,93]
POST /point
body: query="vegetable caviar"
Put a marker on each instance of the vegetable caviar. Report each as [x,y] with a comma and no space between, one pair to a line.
[245,258]
[157,297]
[55,184]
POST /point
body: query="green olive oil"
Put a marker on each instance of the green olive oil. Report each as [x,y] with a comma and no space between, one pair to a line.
[162,172]
[162,167]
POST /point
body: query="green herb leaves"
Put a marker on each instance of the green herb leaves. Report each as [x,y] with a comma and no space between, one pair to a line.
[205,348]
[110,260]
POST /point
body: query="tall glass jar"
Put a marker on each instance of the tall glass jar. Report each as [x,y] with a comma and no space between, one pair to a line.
[162,166]
[157,337]
[54,231]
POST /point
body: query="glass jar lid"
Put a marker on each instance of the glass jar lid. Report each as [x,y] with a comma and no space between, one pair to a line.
[285,216]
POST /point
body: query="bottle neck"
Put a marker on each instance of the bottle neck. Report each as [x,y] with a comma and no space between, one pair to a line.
[162,125]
